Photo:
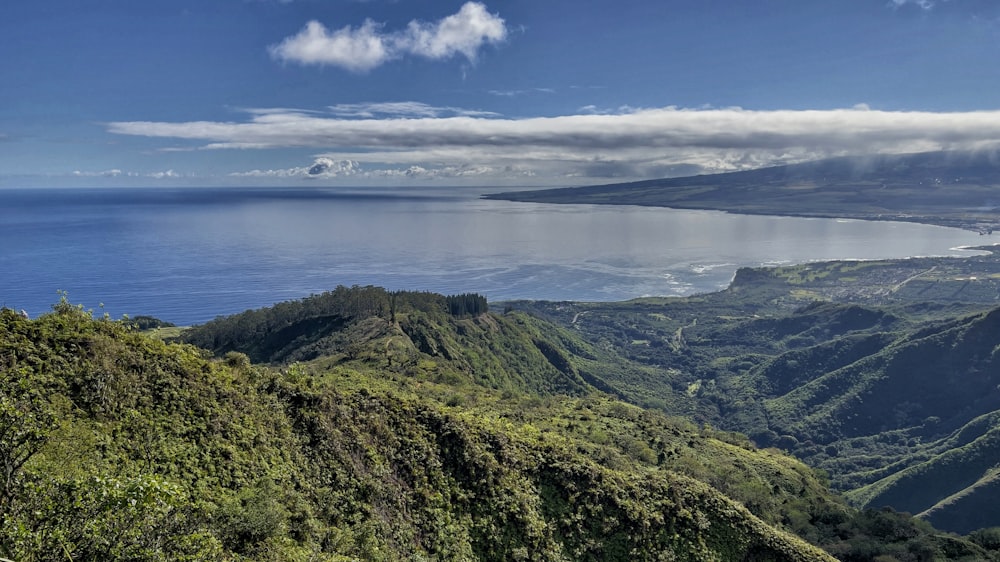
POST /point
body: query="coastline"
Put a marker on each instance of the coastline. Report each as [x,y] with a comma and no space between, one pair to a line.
[980,225]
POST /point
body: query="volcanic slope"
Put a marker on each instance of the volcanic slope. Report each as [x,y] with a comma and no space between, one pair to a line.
[946,188]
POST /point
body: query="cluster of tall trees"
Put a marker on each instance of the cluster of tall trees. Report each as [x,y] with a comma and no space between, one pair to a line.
[342,302]
[340,305]
[467,304]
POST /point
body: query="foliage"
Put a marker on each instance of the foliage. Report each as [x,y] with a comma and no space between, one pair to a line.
[147,323]
[496,351]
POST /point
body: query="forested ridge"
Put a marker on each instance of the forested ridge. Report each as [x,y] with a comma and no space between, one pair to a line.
[406,434]
[136,449]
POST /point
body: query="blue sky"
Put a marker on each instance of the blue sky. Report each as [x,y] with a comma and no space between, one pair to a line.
[504,93]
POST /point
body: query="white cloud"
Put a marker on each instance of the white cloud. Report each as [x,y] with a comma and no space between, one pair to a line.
[620,110]
[278,110]
[402,109]
[453,172]
[512,93]
[117,173]
[357,50]
[324,167]
[368,46]
[628,143]
[464,32]
[102,174]
[923,4]
[321,167]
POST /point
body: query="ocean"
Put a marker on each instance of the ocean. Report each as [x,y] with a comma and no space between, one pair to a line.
[187,255]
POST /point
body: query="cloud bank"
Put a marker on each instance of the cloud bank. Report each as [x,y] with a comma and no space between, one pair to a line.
[631,143]
[401,109]
[329,168]
[368,46]
[118,173]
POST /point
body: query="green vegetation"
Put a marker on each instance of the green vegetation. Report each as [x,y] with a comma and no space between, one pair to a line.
[882,374]
[147,323]
[406,333]
[120,446]
[366,424]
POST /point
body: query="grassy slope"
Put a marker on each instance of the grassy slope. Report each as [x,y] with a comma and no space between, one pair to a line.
[909,395]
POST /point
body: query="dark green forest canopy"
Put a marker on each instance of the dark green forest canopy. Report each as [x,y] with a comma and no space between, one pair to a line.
[281,332]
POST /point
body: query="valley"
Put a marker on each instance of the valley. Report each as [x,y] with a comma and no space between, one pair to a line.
[883,374]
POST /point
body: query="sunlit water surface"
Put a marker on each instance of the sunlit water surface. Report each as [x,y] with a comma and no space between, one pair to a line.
[188,255]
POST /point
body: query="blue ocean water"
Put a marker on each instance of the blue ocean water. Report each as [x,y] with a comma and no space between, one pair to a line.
[188,255]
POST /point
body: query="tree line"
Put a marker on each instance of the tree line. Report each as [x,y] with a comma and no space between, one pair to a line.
[341,304]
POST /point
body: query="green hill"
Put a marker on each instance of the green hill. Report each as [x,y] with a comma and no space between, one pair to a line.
[948,372]
[411,333]
[911,424]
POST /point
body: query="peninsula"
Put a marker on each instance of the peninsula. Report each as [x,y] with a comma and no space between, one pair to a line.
[955,189]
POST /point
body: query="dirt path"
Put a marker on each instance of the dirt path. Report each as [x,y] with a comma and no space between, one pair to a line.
[910,278]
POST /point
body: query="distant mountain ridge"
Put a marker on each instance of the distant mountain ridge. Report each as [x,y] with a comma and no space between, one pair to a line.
[959,189]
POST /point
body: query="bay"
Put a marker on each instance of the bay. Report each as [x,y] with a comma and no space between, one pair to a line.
[188,255]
